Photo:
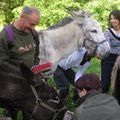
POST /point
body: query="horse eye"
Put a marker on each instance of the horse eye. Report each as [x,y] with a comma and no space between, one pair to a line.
[94,31]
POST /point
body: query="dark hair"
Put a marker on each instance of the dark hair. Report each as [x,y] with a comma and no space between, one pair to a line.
[116,14]
[89,82]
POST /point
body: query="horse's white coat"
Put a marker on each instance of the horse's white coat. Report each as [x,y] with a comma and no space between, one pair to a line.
[59,43]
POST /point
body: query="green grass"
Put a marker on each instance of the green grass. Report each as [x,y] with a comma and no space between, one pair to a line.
[94,66]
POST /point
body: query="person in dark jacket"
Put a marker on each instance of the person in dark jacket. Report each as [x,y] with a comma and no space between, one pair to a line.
[93,104]
[24,49]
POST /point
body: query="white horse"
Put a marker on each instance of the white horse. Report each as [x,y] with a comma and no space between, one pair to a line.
[59,43]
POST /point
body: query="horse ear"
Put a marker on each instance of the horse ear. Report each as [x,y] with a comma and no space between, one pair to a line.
[78,15]
[88,14]
[26,72]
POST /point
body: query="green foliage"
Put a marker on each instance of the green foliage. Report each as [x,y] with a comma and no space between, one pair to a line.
[7,7]
[94,66]
[53,11]
[101,9]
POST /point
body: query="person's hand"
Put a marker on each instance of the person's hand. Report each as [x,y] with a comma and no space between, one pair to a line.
[33,66]
[68,115]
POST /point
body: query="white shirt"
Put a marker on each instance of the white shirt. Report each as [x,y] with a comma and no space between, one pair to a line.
[74,60]
[117,34]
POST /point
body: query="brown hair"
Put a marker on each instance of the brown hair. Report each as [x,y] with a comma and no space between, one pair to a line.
[89,82]
[116,14]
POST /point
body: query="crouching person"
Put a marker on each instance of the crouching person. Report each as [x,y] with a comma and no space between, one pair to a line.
[93,104]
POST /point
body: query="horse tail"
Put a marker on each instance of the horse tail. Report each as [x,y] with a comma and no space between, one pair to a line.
[114,74]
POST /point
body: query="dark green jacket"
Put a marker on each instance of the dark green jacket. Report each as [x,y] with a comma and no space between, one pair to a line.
[98,107]
[24,49]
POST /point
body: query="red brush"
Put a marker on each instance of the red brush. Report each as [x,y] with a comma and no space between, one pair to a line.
[42,68]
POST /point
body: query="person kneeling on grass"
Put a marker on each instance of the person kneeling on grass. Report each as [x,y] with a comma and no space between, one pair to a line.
[65,75]
[93,104]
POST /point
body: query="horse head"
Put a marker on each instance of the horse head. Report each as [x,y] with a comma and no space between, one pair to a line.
[94,40]
[46,104]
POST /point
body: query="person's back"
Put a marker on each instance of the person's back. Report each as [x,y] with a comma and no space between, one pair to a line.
[98,107]
[93,104]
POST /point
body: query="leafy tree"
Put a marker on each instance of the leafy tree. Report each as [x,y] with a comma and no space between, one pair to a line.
[7,7]
[101,9]
[54,10]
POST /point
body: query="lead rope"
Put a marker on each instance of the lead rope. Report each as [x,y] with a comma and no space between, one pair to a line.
[39,101]
[58,111]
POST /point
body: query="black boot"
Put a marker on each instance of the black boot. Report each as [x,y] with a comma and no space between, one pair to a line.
[63,94]
[75,96]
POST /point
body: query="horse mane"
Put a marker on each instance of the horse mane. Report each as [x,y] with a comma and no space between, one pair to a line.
[114,74]
[61,23]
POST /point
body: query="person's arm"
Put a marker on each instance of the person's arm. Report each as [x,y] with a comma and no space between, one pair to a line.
[4,50]
[82,70]
[73,60]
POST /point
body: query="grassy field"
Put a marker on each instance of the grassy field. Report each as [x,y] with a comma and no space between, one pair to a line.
[94,68]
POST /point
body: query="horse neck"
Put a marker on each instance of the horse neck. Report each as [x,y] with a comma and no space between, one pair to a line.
[60,43]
